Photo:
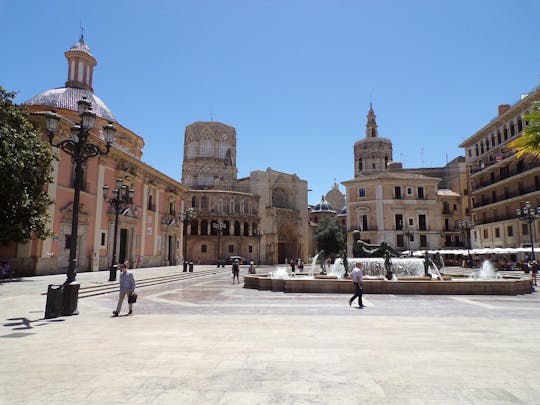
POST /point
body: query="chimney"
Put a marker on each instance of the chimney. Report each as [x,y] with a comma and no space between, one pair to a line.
[503,108]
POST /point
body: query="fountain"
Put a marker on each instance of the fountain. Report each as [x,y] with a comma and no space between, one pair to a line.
[486,272]
[385,275]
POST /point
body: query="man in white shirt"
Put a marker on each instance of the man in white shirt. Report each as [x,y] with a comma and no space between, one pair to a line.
[358,281]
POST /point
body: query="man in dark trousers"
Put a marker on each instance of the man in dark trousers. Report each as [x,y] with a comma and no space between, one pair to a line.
[358,280]
[127,286]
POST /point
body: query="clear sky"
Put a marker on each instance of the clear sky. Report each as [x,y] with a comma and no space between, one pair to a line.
[294,77]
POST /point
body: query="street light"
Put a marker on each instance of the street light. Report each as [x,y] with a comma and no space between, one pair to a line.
[80,149]
[465,225]
[188,214]
[121,198]
[218,226]
[259,234]
[529,214]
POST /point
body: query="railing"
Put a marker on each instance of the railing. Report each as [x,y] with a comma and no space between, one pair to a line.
[507,196]
[495,179]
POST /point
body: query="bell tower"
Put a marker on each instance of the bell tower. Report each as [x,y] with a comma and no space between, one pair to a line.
[373,153]
[80,66]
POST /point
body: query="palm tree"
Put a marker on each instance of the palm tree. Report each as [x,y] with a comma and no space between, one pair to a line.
[528,144]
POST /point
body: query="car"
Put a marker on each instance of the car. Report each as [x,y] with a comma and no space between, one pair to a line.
[232,259]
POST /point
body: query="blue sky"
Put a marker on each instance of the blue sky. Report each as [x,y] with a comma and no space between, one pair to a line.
[294,78]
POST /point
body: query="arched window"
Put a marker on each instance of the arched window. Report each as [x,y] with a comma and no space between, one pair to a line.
[360,164]
[512,129]
[191,150]
[223,147]
[194,225]
[236,228]
[227,229]
[204,202]
[193,201]
[207,148]
[520,125]
[505,133]
[246,229]
[151,203]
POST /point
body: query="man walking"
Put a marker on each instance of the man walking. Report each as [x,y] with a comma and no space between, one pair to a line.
[127,286]
[358,280]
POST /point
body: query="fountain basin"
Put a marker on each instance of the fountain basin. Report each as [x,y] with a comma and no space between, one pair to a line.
[419,286]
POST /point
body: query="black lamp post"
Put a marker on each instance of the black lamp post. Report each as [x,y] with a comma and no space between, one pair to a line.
[465,225]
[529,215]
[218,226]
[188,214]
[259,234]
[80,149]
[121,198]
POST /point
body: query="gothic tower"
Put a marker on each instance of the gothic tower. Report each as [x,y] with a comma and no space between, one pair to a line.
[209,156]
[373,153]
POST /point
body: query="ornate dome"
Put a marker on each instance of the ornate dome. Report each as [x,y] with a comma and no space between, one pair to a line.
[342,213]
[323,206]
[67,97]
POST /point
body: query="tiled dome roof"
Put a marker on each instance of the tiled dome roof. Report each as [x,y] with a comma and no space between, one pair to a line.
[67,97]
[323,206]
[342,213]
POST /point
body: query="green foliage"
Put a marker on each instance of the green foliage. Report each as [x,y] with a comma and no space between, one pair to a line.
[25,168]
[330,237]
[528,144]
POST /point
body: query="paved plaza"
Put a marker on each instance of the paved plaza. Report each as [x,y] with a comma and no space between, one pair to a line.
[199,339]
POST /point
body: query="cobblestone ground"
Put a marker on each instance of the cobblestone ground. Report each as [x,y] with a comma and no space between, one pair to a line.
[204,340]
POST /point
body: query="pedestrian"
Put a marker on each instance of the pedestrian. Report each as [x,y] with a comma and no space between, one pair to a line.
[300,266]
[252,269]
[293,266]
[236,272]
[534,271]
[127,286]
[358,281]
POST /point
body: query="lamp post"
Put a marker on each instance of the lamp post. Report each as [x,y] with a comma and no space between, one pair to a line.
[218,226]
[465,225]
[80,149]
[529,215]
[121,198]
[259,234]
[188,214]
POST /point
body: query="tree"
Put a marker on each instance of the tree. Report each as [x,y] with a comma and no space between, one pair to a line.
[330,237]
[528,144]
[25,168]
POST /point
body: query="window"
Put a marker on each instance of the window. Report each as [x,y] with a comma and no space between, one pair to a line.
[398,218]
[421,193]
[397,192]
[231,248]
[203,248]
[67,241]
[399,241]
[411,221]
[486,234]
[365,223]
[497,232]
[423,241]
[422,223]
[510,230]
[207,148]
[250,248]
[524,229]
[360,164]
[361,192]
[409,190]
[204,227]
[103,238]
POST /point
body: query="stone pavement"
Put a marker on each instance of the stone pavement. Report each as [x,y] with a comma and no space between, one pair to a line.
[204,340]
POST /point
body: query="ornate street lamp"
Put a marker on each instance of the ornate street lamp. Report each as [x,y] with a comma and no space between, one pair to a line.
[465,225]
[529,215]
[80,149]
[218,226]
[188,214]
[121,198]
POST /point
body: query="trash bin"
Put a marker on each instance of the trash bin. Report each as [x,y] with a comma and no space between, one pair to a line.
[53,307]
[191,267]
[71,298]
[112,272]
[184,265]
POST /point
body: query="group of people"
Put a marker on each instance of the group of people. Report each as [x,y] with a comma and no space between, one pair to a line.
[236,270]
[530,267]
[295,264]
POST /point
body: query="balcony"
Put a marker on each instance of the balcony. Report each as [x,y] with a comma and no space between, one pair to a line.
[507,196]
[511,173]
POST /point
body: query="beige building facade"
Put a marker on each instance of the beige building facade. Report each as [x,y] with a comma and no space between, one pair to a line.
[499,182]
